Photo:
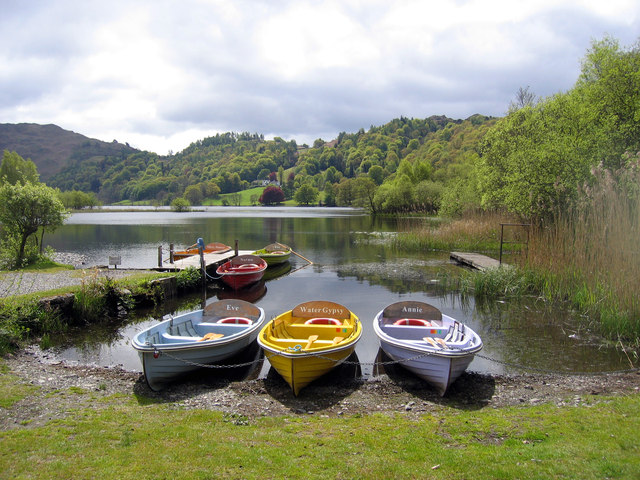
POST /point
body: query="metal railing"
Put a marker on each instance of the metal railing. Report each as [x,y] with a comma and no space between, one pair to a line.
[503,241]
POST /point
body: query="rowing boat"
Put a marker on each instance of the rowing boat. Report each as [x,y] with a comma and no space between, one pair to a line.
[174,347]
[434,346]
[242,271]
[193,250]
[308,341]
[274,254]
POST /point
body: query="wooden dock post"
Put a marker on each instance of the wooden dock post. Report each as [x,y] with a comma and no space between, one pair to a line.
[160,256]
[171,251]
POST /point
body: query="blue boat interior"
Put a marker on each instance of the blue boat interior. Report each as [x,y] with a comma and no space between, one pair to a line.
[189,332]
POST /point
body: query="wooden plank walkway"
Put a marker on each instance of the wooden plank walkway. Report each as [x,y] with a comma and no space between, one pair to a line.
[211,260]
[475,260]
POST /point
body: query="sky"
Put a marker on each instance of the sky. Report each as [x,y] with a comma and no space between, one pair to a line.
[161,74]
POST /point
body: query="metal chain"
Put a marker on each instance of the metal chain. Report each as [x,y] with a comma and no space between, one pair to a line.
[156,352]
[394,362]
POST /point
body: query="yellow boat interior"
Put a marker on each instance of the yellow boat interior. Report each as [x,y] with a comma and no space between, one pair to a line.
[312,327]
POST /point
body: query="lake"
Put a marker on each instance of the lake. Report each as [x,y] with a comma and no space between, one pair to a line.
[352,265]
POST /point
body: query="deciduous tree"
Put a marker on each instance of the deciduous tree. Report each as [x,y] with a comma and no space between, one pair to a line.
[26,208]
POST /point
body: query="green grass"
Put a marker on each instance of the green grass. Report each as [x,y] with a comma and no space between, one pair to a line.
[129,437]
[12,390]
[245,199]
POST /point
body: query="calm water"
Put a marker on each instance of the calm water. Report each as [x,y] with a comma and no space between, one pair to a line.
[338,242]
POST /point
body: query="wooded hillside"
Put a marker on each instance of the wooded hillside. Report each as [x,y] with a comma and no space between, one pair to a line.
[52,148]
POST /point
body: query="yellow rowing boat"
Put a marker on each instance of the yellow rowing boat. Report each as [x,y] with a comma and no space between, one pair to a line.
[305,343]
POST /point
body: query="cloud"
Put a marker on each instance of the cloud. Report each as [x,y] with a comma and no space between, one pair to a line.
[154,73]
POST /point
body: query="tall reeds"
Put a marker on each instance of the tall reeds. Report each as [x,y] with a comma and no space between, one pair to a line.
[590,254]
[478,232]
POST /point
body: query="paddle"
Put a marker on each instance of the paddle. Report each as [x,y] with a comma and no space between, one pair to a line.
[312,338]
[442,342]
[432,342]
[211,336]
[337,340]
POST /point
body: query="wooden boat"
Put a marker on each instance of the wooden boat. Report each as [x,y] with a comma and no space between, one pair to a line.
[308,341]
[187,342]
[274,253]
[193,250]
[242,270]
[433,346]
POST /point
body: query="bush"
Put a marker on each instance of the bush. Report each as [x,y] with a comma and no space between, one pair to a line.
[188,278]
[180,205]
[272,196]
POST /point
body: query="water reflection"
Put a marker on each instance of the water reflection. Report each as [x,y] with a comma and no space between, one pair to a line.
[363,275]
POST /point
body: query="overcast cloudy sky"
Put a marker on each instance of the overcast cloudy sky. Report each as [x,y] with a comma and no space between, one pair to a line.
[161,74]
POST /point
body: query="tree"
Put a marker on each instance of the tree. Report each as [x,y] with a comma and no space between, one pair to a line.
[26,208]
[376,173]
[180,205]
[306,195]
[272,195]
[193,193]
[524,98]
[75,199]
[364,189]
[15,169]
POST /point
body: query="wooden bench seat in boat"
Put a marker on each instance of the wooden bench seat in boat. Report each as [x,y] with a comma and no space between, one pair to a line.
[412,332]
[301,330]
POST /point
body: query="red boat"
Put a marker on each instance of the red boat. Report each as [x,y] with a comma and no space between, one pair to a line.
[242,270]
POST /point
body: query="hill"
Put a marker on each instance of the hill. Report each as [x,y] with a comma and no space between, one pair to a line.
[424,155]
[52,148]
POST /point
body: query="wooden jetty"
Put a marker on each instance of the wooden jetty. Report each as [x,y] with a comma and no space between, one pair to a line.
[211,260]
[476,260]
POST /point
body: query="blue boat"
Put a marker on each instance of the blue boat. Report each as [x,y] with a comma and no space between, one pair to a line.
[188,342]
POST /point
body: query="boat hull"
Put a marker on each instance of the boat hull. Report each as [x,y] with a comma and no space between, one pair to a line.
[166,356]
[300,370]
[433,346]
[440,372]
[170,365]
[301,346]
[242,271]
[209,248]
[274,254]
[275,259]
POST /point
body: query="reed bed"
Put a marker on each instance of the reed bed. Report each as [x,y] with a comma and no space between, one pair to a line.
[478,232]
[590,254]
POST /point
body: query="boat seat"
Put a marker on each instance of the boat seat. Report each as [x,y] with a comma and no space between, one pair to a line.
[184,329]
[411,332]
[169,338]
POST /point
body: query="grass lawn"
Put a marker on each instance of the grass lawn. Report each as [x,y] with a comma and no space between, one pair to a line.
[130,436]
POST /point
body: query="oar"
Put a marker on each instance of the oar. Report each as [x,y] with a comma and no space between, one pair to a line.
[296,253]
[337,340]
[312,338]
[211,336]
[442,342]
[432,342]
